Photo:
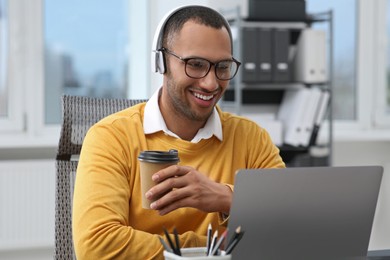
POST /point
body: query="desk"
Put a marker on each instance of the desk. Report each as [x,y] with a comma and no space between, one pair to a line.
[378,254]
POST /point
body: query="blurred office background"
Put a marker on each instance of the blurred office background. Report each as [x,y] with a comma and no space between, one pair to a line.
[102,48]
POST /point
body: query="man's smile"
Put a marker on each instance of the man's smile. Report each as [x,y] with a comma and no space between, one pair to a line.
[203,97]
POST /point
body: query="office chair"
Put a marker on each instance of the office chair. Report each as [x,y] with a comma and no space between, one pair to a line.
[78,115]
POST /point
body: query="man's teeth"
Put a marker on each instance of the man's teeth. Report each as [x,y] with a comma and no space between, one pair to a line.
[203,97]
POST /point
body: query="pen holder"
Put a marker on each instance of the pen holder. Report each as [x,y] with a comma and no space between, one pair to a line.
[194,253]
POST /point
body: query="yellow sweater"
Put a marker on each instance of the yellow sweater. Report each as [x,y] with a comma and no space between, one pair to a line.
[108,219]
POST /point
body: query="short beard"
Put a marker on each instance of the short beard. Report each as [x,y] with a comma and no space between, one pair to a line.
[178,104]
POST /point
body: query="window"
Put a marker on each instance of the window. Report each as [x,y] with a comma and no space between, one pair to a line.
[344,54]
[361,92]
[93,49]
[54,47]
[86,51]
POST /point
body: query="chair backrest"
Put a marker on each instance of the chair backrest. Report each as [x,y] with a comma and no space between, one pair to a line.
[78,115]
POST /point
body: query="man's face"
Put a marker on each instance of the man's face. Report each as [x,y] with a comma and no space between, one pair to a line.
[191,98]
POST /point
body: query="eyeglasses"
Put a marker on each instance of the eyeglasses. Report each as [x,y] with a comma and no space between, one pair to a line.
[198,68]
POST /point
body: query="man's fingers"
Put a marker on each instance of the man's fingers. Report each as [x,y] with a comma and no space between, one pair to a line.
[184,202]
[169,172]
[174,199]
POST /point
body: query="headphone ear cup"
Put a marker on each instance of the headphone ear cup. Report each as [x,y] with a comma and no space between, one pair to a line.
[160,62]
[158,57]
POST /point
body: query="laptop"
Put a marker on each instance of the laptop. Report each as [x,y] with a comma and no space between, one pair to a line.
[304,213]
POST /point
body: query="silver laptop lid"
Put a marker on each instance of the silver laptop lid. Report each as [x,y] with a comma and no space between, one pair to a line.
[305,213]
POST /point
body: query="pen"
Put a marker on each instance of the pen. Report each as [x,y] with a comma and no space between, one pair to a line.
[218,244]
[209,231]
[177,242]
[234,243]
[170,241]
[213,241]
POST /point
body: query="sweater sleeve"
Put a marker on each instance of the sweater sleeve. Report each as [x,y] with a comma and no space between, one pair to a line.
[100,220]
[263,152]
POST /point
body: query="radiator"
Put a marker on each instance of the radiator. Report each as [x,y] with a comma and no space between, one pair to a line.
[27,203]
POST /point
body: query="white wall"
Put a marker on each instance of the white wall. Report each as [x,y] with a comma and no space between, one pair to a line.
[36,253]
[27,202]
[370,153]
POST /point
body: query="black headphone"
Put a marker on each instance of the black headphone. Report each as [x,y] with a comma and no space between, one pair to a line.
[157,57]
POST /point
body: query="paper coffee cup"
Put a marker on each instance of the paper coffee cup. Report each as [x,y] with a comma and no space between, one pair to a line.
[150,163]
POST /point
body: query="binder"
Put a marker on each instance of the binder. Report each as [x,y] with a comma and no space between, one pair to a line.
[281,64]
[309,116]
[291,113]
[249,55]
[275,10]
[320,116]
[309,63]
[265,55]
[257,55]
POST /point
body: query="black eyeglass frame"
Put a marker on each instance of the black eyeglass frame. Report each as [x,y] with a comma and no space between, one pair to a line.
[215,64]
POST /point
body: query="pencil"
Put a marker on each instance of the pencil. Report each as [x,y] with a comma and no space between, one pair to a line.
[177,241]
[234,243]
[218,244]
[166,247]
[213,241]
[234,236]
[209,231]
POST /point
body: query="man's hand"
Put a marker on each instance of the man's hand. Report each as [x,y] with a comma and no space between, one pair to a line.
[183,186]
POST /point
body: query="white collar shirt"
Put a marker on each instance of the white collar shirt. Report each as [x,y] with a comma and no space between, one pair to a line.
[154,122]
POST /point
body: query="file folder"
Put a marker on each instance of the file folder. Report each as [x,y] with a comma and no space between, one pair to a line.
[272,10]
[310,64]
[265,55]
[291,111]
[309,115]
[257,55]
[249,55]
[281,64]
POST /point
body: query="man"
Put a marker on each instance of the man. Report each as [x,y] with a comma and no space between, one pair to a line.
[108,219]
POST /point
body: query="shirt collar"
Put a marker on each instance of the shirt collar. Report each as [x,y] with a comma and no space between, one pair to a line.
[154,122]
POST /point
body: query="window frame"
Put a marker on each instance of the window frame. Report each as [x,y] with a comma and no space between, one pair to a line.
[381,41]
[13,121]
[26,126]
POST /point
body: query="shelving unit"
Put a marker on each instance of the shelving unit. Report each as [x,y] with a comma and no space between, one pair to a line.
[242,93]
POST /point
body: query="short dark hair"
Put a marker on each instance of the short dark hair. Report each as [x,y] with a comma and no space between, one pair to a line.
[199,14]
